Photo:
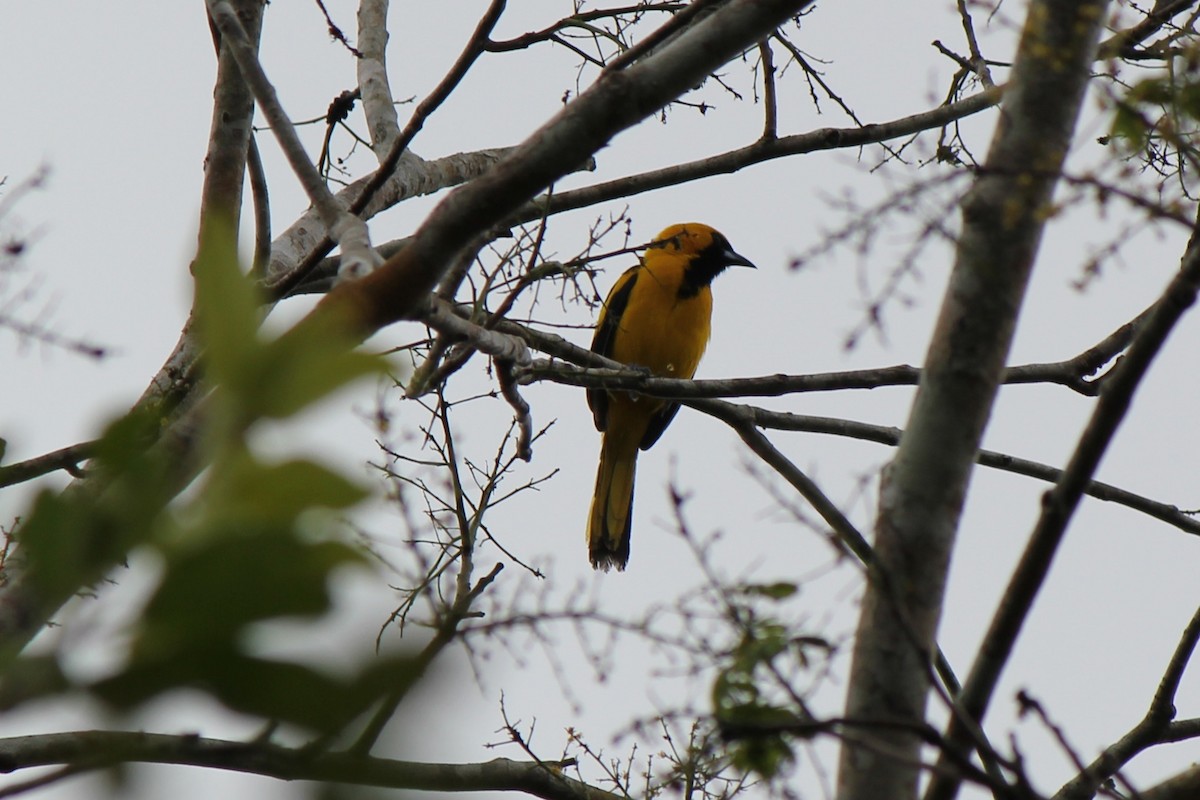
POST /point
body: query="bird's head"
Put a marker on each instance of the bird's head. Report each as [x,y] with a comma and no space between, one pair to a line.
[707,250]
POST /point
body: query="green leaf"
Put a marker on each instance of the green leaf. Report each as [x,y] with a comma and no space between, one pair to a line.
[312,360]
[71,539]
[31,678]
[1151,91]
[759,742]
[1188,99]
[276,690]
[1129,128]
[56,540]
[259,378]
[227,312]
[776,591]
[244,489]
[209,594]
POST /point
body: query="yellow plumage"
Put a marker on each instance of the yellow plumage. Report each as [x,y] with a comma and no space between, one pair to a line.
[658,317]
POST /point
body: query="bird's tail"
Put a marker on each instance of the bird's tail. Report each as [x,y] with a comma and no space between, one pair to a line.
[612,505]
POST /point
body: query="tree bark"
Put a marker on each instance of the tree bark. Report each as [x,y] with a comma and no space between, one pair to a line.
[922,493]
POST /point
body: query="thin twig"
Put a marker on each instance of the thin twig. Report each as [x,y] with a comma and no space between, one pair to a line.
[1151,730]
[770,103]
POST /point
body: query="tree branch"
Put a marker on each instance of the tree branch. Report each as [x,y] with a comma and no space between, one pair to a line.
[1184,786]
[350,231]
[68,458]
[373,85]
[1147,733]
[923,491]
[616,101]
[229,136]
[1059,503]
[758,152]
[724,163]
[99,749]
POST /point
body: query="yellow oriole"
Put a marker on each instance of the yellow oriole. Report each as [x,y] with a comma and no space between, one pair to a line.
[658,316]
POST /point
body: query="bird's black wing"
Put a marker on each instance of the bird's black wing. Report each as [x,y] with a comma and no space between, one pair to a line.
[658,423]
[606,334]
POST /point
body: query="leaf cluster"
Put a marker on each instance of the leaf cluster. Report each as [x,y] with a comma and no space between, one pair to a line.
[250,546]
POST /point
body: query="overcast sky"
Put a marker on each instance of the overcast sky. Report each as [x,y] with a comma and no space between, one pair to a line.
[112,102]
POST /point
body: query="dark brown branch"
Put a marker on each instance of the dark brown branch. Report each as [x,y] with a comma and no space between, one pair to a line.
[99,749]
[68,458]
[1151,730]
[770,101]
[616,101]
[762,150]
[319,277]
[978,64]
[1066,373]
[549,33]
[1184,786]
[262,210]
[1122,41]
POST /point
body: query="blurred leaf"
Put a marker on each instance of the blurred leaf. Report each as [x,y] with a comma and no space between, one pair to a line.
[245,489]
[71,539]
[1151,90]
[1129,128]
[1187,99]
[30,678]
[211,592]
[776,591]
[312,360]
[56,539]
[137,484]
[275,690]
[261,378]
[227,312]
[758,740]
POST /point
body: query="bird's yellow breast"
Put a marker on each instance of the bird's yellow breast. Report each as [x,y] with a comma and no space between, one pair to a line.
[659,329]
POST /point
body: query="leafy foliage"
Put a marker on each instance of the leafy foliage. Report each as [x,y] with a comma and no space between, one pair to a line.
[247,548]
[741,698]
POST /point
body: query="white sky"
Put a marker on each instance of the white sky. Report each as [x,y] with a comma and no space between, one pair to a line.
[115,101]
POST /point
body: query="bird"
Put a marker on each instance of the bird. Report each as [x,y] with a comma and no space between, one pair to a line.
[657,318]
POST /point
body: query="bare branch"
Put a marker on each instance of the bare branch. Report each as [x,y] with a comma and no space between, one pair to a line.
[441,317]
[758,152]
[68,458]
[373,84]
[922,495]
[616,101]
[1122,41]
[1150,731]
[1059,504]
[100,749]
[233,110]
[678,174]
[1184,786]
[348,230]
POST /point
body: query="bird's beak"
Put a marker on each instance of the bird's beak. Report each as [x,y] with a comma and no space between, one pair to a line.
[735,260]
